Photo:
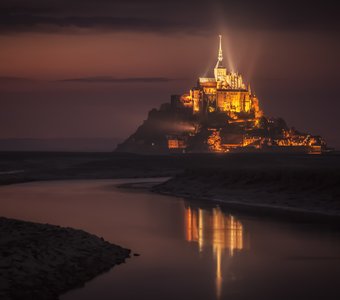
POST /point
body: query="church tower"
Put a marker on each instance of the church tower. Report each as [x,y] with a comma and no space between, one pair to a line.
[220,71]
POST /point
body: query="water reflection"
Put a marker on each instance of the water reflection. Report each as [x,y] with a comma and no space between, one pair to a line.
[286,260]
[213,228]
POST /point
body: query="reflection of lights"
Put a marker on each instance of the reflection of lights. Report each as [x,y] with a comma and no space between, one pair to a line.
[200,230]
[218,255]
[188,225]
[223,232]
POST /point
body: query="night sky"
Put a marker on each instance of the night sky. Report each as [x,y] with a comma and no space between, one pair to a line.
[81,68]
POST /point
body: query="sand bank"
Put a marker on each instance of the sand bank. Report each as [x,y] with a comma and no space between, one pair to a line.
[41,261]
[290,191]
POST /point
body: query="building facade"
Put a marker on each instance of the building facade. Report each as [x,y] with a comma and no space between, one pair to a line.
[225,92]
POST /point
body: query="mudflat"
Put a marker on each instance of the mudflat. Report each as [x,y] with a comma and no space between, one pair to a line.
[41,261]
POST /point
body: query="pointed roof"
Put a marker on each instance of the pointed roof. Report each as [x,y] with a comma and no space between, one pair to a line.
[219,63]
[220,53]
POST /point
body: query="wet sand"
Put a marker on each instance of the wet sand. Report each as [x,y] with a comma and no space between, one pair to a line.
[41,261]
[312,194]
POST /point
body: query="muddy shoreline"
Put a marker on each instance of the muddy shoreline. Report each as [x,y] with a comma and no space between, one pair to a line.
[42,261]
[295,194]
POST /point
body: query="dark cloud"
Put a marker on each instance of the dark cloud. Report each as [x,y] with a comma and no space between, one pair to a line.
[55,16]
[92,79]
[28,23]
[109,79]
[282,15]
[166,16]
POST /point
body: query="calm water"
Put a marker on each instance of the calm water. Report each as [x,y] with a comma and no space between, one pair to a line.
[188,251]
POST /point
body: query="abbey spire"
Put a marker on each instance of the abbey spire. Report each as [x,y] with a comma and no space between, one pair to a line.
[220,71]
[220,53]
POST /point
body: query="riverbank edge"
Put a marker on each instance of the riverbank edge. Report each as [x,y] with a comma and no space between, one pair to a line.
[260,210]
[257,209]
[43,261]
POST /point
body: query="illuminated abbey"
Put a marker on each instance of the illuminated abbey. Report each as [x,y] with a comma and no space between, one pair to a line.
[219,114]
[225,92]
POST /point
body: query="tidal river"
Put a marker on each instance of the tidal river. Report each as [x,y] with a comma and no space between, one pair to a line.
[188,250]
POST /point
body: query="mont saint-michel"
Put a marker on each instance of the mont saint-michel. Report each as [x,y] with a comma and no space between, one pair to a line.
[220,114]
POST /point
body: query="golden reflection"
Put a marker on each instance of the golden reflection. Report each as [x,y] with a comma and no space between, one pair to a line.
[213,228]
[200,230]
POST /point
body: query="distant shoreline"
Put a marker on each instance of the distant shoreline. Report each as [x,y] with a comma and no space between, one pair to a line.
[240,180]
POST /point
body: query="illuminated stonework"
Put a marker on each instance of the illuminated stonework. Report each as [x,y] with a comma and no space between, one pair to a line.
[225,92]
[220,114]
[175,143]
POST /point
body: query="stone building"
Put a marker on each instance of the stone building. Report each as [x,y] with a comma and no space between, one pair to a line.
[225,92]
[220,114]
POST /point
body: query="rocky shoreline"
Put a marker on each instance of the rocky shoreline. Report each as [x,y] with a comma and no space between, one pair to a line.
[42,261]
